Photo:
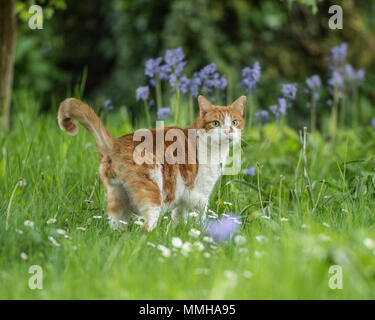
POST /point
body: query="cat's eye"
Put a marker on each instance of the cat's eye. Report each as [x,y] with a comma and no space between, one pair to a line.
[235,122]
[216,123]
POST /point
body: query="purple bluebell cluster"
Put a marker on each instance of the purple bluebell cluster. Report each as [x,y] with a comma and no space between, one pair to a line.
[262,116]
[249,171]
[250,77]
[163,113]
[143,93]
[108,105]
[343,78]
[373,123]
[223,228]
[209,79]
[289,92]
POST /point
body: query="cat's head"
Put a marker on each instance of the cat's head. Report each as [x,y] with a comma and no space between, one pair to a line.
[223,123]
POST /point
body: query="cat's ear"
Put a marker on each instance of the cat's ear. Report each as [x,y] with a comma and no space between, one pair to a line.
[204,105]
[239,104]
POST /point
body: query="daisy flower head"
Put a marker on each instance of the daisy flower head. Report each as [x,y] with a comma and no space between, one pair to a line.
[28,223]
[194,214]
[177,242]
[24,256]
[61,231]
[194,233]
[54,242]
[97,217]
[199,245]
[369,243]
[50,221]
[283,219]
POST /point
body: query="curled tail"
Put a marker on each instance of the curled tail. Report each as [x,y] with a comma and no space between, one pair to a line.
[74,109]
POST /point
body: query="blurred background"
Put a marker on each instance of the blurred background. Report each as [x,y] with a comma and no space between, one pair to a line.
[105,43]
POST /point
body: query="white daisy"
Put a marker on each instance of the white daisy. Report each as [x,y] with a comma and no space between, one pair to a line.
[61,231]
[194,214]
[53,240]
[194,233]
[81,228]
[24,256]
[261,239]
[208,239]
[123,222]
[166,252]
[199,245]
[97,217]
[326,224]
[150,244]
[369,243]
[139,223]
[239,239]
[50,221]
[22,182]
[28,223]
[186,248]
[283,219]
[177,242]
[228,203]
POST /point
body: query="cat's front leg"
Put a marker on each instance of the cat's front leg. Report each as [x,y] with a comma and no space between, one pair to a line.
[179,214]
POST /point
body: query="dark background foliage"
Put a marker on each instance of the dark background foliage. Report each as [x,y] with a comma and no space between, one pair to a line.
[112,39]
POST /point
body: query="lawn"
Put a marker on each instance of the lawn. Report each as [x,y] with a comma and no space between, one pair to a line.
[321,214]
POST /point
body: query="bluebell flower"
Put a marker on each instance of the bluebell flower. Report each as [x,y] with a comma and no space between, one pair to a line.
[173,57]
[108,105]
[250,171]
[289,91]
[262,116]
[163,113]
[338,56]
[143,93]
[223,228]
[250,77]
[210,79]
[373,123]
[283,105]
[152,67]
[184,84]
[195,82]
[275,110]
[314,82]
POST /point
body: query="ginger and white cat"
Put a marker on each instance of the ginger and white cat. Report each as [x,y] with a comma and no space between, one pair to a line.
[160,184]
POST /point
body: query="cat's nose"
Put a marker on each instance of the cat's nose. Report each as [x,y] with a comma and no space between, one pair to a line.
[226,131]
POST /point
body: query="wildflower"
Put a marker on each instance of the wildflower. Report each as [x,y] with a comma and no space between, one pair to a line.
[314,83]
[208,239]
[107,105]
[326,224]
[195,82]
[186,248]
[22,182]
[210,79]
[24,256]
[97,217]
[163,113]
[261,239]
[250,77]
[123,222]
[222,228]
[230,275]
[143,93]
[61,231]
[283,219]
[139,223]
[239,239]
[262,116]
[250,171]
[194,214]
[19,231]
[289,91]
[373,123]
[199,245]
[207,255]
[166,252]
[81,228]
[369,243]
[194,233]
[177,242]
[153,69]
[184,84]
[50,221]
[174,58]
[228,203]
[28,223]
[54,242]
[150,244]
[338,56]
[247,274]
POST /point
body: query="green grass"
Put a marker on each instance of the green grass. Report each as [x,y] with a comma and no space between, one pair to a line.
[291,263]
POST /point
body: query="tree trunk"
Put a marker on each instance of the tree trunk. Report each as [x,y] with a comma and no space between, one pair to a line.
[7,48]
